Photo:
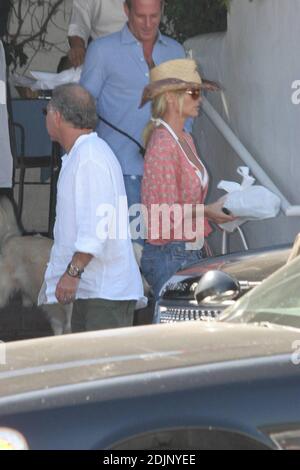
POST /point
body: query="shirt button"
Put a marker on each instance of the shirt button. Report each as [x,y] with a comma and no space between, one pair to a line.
[147,74]
[142,59]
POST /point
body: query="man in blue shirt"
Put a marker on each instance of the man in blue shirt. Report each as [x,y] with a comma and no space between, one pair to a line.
[115,72]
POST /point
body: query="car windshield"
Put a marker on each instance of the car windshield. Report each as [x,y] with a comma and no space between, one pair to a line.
[275,301]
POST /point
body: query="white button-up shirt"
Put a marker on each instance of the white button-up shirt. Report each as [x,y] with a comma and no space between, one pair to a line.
[90,199]
[96,18]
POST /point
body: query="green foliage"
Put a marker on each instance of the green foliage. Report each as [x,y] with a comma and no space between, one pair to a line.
[188,18]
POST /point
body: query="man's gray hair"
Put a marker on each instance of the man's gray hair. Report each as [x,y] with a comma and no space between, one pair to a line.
[76,105]
[129,3]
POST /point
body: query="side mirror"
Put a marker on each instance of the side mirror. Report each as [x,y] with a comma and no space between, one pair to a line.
[216,287]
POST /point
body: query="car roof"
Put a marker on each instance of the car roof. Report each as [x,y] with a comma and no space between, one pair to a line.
[47,363]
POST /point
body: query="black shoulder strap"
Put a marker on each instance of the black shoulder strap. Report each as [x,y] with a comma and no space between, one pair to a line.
[142,149]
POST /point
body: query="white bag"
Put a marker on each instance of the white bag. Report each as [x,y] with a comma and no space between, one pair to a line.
[248,202]
[49,80]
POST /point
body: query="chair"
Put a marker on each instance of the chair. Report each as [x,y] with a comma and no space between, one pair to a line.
[30,143]
[225,236]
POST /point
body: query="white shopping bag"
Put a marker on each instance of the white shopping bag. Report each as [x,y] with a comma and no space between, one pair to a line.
[247,201]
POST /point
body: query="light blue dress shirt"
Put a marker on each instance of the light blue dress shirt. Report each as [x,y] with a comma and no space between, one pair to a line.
[115,72]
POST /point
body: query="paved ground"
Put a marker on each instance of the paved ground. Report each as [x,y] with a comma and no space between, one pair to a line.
[18,322]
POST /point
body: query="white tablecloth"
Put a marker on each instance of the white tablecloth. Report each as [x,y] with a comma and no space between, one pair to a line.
[6,161]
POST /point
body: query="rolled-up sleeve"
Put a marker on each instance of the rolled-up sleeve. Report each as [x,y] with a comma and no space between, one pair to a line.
[81,18]
[94,198]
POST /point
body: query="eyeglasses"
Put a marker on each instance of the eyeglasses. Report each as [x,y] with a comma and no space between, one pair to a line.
[195,94]
[47,110]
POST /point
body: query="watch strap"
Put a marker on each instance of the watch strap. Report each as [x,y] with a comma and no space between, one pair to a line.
[74,271]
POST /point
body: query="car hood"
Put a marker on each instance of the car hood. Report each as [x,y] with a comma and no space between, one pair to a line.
[252,266]
[46,363]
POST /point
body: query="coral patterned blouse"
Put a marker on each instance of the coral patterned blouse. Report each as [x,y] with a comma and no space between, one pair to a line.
[169,178]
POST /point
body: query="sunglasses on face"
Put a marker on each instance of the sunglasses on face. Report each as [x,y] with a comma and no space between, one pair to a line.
[195,94]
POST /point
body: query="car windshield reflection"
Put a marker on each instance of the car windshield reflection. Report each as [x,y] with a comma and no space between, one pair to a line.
[275,301]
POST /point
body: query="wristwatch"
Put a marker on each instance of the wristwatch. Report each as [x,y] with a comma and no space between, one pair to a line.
[74,271]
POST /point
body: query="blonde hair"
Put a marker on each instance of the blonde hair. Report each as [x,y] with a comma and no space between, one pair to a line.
[159,108]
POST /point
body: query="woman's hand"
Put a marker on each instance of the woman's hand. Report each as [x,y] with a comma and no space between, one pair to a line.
[214,212]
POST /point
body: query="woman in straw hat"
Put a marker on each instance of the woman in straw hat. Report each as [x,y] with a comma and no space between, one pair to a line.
[175,180]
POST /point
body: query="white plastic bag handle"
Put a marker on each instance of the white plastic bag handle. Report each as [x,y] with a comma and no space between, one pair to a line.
[231,186]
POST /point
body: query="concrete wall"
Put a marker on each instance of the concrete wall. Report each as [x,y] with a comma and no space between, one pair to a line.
[45,59]
[256,60]
[36,197]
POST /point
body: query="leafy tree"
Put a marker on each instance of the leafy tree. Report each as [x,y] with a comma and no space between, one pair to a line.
[188,18]
[28,28]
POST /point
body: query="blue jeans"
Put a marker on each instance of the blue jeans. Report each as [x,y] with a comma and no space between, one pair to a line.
[160,262]
[133,191]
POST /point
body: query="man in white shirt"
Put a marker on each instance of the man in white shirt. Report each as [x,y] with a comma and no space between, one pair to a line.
[92,18]
[92,262]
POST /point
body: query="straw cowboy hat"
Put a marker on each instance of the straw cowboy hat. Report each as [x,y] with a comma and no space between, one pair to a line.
[175,75]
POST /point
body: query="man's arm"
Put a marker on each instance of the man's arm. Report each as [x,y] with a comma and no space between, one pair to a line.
[96,68]
[77,51]
[79,30]
[68,284]
[93,187]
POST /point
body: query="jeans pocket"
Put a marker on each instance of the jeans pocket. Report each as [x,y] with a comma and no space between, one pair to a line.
[186,257]
[193,257]
[178,252]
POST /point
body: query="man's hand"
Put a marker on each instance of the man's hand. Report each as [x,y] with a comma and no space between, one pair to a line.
[76,53]
[66,289]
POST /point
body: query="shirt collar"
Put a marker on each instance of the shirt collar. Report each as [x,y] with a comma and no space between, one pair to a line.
[128,38]
[76,143]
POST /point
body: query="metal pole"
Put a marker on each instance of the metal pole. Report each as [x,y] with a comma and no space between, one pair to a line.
[242,152]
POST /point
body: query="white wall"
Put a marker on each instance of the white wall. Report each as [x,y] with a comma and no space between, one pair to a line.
[256,60]
[47,58]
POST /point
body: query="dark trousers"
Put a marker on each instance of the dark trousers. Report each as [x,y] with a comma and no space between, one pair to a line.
[101,314]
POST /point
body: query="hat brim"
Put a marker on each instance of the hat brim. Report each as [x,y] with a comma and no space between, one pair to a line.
[159,87]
